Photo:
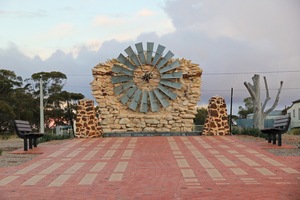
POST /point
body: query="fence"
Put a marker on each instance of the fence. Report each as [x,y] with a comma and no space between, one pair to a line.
[248,123]
[63,130]
[198,128]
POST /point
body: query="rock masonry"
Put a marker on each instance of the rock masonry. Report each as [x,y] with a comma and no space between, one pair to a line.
[87,124]
[178,117]
[216,122]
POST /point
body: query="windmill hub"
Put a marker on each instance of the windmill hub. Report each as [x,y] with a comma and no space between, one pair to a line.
[146,77]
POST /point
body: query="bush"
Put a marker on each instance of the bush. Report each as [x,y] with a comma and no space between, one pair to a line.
[236,130]
[255,132]
[49,136]
[0,152]
[295,131]
[251,131]
[5,136]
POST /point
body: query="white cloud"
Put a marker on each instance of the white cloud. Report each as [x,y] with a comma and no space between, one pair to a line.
[59,31]
[107,21]
[145,13]
[222,36]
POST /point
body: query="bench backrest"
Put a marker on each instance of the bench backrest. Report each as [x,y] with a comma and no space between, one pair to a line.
[282,122]
[22,127]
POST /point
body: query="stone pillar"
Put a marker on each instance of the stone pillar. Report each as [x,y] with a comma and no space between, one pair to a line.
[87,125]
[216,122]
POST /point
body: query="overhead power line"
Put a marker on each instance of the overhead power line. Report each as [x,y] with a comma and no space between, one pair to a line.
[262,72]
[222,73]
[247,90]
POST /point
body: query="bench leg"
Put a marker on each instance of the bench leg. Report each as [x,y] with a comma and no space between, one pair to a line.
[35,142]
[25,145]
[274,138]
[279,139]
[269,138]
[30,143]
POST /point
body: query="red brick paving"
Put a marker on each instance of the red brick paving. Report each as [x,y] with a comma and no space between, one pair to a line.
[200,167]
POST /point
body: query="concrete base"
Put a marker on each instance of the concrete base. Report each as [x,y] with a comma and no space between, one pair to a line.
[150,134]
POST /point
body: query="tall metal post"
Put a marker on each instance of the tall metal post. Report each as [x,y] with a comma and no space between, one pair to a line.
[41,106]
[230,119]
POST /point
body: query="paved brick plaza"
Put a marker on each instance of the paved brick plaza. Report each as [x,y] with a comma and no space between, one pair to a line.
[194,167]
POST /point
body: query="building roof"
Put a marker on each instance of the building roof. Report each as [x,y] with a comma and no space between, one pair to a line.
[296,101]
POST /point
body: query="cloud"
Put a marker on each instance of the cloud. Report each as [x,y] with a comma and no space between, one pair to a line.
[267,24]
[22,14]
[59,31]
[145,13]
[107,21]
[233,37]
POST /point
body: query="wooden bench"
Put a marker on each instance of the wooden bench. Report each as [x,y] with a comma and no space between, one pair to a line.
[280,126]
[24,131]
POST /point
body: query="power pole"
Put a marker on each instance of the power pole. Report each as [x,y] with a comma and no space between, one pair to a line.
[41,106]
[230,119]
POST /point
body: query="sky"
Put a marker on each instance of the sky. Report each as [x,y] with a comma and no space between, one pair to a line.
[230,40]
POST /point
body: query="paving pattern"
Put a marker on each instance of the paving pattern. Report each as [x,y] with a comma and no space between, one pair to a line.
[194,167]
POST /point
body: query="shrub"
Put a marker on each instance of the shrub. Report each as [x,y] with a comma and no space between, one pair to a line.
[236,130]
[49,136]
[255,132]
[295,131]
[5,136]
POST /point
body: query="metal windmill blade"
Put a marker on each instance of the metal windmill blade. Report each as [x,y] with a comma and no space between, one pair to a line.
[140,50]
[158,54]
[123,87]
[170,67]
[122,59]
[135,100]
[121,79]
[132,56]
[121,70]
[171,84]
[172,75]
[167,92]
[165,59]
[161,98]
[144,102]
[125,98]
[153,102]
[150,46]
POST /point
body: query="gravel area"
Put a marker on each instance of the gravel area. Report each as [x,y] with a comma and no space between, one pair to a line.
[287,139]
[8,159]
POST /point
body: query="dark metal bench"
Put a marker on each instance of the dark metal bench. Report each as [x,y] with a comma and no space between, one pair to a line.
[24,131]
[280,126]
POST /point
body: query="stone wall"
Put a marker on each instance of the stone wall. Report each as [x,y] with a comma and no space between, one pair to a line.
[216,122]
[116,117]
[87,125]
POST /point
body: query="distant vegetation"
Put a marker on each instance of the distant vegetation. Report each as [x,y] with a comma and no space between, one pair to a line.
[19,99]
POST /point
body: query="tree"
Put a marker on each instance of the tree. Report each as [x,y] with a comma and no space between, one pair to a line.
[200,116]
[53,83]
[15,101]
[20,100]
[243,112]
[9,81]
[258,108]
[61,112]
